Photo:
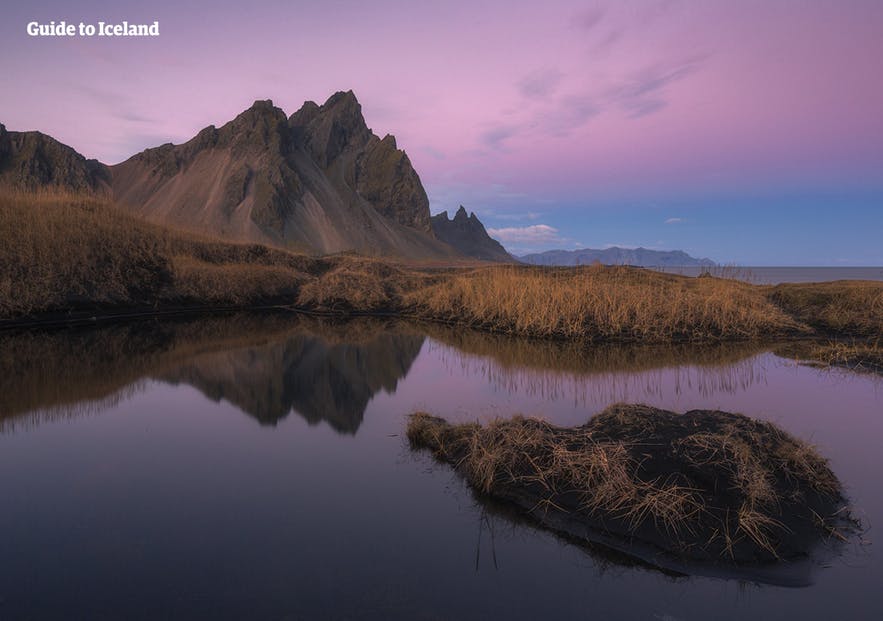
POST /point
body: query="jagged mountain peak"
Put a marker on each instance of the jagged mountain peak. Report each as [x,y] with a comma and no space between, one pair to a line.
[467,234]
[261,112]
[345,98]
[262,123]
[328,130]
[319,180]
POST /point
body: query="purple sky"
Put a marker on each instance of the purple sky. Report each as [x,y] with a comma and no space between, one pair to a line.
[743,131]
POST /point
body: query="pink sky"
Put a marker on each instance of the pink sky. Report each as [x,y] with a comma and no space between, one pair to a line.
[521,101]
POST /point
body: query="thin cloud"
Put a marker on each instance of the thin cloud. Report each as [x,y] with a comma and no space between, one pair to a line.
[540,84]
[589,18]
[674,220]
[608,40]
[517,217]
[573,112]
[533,234]
[497,136]
[433,152]
[118,105]
[644,94]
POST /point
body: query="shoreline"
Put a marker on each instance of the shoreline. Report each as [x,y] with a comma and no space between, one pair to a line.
[124,314]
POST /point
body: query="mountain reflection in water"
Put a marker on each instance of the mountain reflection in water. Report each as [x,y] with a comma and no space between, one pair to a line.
[266,366]
[319,377]
[270,365]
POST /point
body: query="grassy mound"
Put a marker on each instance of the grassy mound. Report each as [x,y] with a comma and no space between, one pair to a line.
[704,485]
[64,253]
[603,303]
[852,307]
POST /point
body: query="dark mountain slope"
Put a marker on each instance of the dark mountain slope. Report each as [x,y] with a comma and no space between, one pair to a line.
[468,236]
[31,160]
[319,181]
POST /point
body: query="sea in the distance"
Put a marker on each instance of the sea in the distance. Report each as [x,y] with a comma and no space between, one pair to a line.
[777,275]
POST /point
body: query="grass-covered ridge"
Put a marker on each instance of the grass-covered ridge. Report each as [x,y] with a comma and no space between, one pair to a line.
[609,303]
[65,255]
[706,486]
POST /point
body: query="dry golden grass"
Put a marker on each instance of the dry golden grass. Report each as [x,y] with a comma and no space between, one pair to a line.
[709,483]
[63,254]
[857,355]
[841,307]
[60,250]
[620,303]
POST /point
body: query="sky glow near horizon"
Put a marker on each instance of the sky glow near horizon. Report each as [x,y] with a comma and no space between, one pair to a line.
[747,132]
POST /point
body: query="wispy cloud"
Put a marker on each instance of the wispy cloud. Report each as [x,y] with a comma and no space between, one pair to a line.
[644,93]
[589,18]
[607,41]
[571,113]
[540,84]
[674,220]
[433,152]
[533,234]
[496,136]
[118,105]
[516,217]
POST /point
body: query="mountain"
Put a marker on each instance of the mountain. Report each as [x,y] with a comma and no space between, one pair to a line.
[318,181]
[641,257]
[468,236]
[31,160]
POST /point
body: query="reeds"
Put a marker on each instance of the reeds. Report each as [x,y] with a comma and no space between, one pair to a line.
[862,356]
[606,303]
[841,307]
[62,252]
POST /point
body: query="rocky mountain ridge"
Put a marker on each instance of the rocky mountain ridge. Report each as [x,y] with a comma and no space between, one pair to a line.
[32,160]
[467,234]
[318,181]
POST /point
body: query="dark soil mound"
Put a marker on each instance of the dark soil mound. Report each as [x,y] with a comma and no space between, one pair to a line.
[704,486]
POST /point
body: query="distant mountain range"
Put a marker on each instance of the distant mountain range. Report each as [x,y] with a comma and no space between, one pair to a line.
[319,181]
[641,257]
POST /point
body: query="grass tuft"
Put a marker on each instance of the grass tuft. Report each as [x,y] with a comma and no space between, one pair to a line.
[703,484]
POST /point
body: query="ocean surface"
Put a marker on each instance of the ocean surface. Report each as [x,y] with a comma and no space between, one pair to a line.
[776,275]
[256,468]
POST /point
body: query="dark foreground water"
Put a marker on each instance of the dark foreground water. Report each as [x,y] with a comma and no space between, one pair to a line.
[255,468]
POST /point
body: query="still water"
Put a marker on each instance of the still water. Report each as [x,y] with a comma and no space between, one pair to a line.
[255,468]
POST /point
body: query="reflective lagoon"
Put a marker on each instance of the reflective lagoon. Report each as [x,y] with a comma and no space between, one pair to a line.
[255,467]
